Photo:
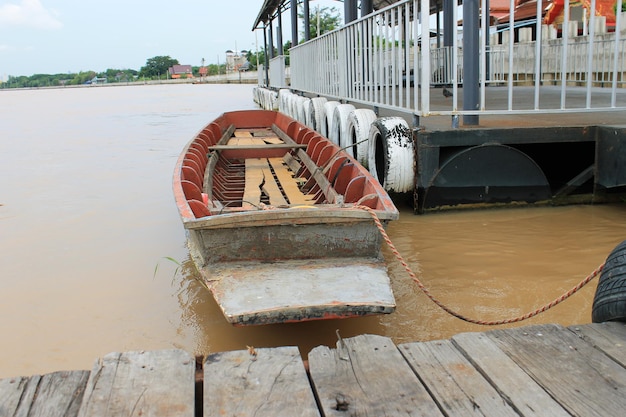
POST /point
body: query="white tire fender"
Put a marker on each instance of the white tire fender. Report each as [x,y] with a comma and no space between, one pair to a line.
[340,124]
[357,137]
[327,125]
[392,154]
[317,113]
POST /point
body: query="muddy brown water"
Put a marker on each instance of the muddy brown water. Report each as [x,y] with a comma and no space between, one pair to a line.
[89,233]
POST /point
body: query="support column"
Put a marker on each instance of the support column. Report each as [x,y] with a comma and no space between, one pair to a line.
[266,63]
[471,52]
[349,11]
[270,51]
[449,25]
[294,22]
[307,23]
[367,7]
[279,35]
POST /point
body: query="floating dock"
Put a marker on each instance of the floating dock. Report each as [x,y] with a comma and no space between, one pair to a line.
[539,370]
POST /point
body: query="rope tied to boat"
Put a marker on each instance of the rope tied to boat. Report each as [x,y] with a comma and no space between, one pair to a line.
[458,315]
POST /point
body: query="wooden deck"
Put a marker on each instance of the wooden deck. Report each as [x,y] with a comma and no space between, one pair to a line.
[542,370]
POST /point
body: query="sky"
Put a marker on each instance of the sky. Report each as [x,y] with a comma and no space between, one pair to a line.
[69,36]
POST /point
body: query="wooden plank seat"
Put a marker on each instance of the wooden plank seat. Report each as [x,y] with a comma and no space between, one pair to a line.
[259,181]
[271,177]
[289,183]
[256,146]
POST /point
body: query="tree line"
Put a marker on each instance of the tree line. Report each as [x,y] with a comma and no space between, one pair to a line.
[157,67]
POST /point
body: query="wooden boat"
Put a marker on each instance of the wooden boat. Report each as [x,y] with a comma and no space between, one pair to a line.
[275,224]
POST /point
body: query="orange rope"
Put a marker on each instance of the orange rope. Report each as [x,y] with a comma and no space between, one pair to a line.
[459,315]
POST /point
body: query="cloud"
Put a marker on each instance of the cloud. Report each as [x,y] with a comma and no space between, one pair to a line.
[29,13]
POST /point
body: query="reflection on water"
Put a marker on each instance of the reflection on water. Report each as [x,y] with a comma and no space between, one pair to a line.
[87,214]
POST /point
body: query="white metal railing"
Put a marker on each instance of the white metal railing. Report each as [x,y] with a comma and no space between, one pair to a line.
[380,60]
[277,72]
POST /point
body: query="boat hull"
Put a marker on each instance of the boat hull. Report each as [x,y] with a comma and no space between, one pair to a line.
[316,254]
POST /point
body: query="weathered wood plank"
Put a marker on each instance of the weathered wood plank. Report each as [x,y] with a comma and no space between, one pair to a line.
[582,379]
[58,394]
[270,187]
[240,145]
[242,133]
[159,383]
[259,382]
[367,376]
[254,179]
[288,183]
[609,337]
[455,384]
[272,139]
[507,377]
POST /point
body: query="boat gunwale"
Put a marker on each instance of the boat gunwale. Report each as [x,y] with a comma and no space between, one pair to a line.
[296,215]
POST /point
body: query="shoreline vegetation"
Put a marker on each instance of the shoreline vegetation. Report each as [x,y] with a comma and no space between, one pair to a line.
[243,77]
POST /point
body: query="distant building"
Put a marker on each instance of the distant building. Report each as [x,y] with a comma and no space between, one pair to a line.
[96,81]
[180,71]
[579,10]
[236,61]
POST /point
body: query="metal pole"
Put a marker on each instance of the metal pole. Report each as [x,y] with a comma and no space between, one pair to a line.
[349,11]
[271,40]
[279,35]
[307,23]
[471,48]
[294,22]
[367,7]
[449,25]
[266,58]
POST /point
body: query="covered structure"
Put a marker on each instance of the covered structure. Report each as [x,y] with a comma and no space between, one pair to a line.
[378,64]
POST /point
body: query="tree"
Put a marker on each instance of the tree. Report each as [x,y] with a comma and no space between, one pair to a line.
[329,19]
[119,75]
[157,66]
[252,56]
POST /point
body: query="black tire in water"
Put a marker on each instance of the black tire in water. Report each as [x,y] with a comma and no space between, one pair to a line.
[609,303]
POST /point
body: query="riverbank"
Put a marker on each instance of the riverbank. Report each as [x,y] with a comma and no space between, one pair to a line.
[247,77]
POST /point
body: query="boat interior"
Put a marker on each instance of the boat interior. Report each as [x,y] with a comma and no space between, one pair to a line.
[232,166]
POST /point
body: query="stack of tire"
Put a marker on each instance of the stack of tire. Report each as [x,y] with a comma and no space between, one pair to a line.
[265,98]
[384,145]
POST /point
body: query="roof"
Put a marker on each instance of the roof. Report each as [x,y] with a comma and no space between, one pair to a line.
[554,12]
[180,69]
[524,9]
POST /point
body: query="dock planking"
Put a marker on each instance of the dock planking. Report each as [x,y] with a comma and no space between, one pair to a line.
[539,370]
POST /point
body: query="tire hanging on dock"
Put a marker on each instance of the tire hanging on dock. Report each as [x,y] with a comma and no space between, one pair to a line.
[327,126]
[339,129]
[357,138]
[283,100]
[609,302]
[392,154]
[317,115]
[299,111]
[303,109]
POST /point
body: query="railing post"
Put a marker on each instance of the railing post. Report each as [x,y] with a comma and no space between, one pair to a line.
[425,76]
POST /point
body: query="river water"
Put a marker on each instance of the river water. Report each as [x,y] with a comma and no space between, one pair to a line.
[90,240]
